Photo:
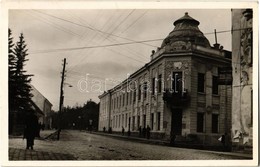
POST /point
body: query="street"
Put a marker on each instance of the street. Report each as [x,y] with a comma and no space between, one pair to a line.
[86,146]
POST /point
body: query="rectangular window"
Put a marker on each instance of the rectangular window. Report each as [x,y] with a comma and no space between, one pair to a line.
[215,85]
[139,92]
[158,120]
[119,122]
[145,90]
[125,120]
[138,121]
[129,123]
[114,103]
[201,82]
[153,86]
[117,102]
[134,98]
[152,120]
[116,121]
[133,126]
[127,98]
[160,83]
[120,98]
[177,82]
[214,123]
[130,102]
[200,122]
[123,100]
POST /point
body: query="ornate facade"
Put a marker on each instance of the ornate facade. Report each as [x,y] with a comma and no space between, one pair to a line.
[176,93]
[242,60]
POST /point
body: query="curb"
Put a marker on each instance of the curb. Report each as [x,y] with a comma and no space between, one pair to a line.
[165,143]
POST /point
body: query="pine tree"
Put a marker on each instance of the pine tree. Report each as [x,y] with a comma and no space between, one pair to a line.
[23,99]
[11,72]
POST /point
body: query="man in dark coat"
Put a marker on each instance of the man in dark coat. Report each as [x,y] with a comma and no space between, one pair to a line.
[148,129]
[31,128]
[144,132]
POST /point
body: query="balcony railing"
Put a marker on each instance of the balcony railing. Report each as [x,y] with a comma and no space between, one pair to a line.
[176,99]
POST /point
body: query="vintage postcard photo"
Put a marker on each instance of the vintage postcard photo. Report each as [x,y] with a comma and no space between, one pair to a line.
[109,83]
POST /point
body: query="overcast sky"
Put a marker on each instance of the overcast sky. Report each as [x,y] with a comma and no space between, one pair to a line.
[49,32]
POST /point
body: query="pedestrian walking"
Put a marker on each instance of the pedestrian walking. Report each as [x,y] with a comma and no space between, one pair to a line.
[173,138]
[148,129]
[140,131]
[144,132]
[31,129]
[123,131]
[128,133]
[110,130]
[223,141]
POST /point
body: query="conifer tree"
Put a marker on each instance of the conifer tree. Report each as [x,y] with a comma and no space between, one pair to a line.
[23,100]
[11,72]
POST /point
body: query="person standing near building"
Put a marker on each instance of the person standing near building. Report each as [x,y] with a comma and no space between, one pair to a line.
[144,132]
[123,131]
[31,129]
[140,131]
[148,129]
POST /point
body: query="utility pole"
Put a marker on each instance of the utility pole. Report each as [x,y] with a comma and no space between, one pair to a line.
[61,98]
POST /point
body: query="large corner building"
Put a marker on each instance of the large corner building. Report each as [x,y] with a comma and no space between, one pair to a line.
[176,93]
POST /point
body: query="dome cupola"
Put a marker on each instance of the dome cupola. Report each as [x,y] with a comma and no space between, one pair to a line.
[185,33]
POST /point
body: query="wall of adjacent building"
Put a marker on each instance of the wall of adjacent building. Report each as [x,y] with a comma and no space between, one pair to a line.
[242,77]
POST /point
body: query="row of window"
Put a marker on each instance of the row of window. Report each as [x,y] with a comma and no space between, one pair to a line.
[201,123]
[126,122]
[201,84]
[126,98]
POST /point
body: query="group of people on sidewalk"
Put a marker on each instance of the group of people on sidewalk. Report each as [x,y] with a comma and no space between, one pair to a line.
[143,132]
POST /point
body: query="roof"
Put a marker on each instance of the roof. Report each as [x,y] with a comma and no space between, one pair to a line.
[186,30]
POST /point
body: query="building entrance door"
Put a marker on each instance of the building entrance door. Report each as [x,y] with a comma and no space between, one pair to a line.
[176,121]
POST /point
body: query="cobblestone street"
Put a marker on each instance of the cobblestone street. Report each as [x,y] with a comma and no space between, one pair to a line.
[84,146]
[22,154]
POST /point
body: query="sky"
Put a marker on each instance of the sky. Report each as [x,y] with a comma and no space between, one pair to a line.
[99,44]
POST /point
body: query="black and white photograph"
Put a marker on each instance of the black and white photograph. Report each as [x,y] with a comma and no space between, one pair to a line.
[129,84]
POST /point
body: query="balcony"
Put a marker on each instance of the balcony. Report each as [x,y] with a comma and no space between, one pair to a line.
[176,99]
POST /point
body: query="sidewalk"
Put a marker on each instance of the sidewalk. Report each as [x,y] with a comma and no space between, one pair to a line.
[166,143]
[43,134]
[22,154]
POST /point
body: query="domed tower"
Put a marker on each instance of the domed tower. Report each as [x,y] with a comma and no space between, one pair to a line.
[185,33]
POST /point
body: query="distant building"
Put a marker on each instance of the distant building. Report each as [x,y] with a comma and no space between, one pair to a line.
[42,104]
[242,64]
[176,93]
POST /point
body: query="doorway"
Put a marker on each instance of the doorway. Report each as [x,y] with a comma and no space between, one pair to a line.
[176,126]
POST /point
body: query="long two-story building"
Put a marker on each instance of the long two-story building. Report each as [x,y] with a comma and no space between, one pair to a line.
[176,93]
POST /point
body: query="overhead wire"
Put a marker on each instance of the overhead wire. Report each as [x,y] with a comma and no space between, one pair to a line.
[111,45]
[65,20]
[40,18]
[135,21]
[107,37]
[96,19]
